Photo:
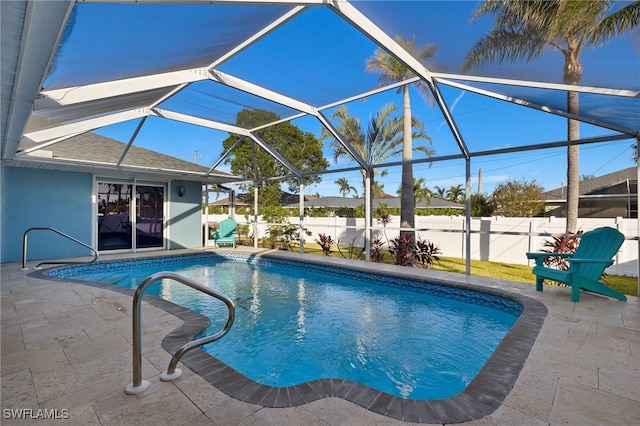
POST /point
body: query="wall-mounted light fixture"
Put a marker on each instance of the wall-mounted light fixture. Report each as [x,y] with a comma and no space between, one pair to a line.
[181,190]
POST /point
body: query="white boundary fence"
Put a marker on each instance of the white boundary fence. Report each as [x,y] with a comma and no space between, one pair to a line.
[497,239]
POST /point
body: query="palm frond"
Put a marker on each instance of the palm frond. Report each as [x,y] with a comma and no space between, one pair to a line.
[503,44]
[614,25]
[390,70]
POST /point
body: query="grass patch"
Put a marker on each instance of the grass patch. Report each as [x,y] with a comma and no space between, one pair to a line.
[506,271]
[625,285]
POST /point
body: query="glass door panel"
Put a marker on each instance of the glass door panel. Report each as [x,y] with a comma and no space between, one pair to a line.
[149,216]
[114,216]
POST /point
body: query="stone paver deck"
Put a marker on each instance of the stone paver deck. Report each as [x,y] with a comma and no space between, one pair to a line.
[66,353]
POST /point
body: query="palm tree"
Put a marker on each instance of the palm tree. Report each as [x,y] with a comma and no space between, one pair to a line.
[455,193]
[345,188]
[377,190]
[420,191]
[381,142]
[390,70]
[440,192]
[525,29]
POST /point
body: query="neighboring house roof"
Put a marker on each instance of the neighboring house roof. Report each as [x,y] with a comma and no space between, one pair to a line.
[292,201]
[612,183]
[337,202]
[334,202]
[287,199]
[91,148]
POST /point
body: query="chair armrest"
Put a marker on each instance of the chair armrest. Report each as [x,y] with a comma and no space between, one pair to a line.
[542,254]
[578,260]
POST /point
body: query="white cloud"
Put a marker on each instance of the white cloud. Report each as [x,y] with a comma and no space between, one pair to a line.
[451,108]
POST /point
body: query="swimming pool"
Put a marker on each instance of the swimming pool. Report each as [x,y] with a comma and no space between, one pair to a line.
[385,312]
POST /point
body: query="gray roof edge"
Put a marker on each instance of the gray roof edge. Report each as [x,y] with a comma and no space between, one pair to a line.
[593,184]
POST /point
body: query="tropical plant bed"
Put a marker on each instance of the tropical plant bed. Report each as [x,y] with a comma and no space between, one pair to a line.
[624,284]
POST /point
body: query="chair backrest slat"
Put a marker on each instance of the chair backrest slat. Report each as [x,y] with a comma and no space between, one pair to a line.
[227,228]
[601,243]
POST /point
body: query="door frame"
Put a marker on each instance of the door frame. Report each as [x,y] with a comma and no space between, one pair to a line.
[132,212]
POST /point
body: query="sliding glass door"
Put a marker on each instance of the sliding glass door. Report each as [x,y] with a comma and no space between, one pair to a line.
[149,216]
[120,212]
[114,216]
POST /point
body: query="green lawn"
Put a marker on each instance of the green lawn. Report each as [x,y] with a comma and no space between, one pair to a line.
[625,285]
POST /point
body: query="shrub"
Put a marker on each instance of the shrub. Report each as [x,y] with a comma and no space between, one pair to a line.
[384,219]
[377,255]
[325,242]
[403,250]
[426,252]
[563,244]
[353,252]
[282,236]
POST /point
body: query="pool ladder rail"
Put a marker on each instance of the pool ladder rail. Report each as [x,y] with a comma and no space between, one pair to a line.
[138,385]
[58,262]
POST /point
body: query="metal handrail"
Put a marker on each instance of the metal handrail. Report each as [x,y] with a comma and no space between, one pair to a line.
[24,248]
[138,385]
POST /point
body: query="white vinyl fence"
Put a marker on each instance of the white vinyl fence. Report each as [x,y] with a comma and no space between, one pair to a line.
[497,239]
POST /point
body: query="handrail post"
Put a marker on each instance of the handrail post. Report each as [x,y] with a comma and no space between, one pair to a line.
[138,385]
[24,247]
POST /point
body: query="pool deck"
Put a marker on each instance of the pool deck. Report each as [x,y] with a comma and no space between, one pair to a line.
[66,352]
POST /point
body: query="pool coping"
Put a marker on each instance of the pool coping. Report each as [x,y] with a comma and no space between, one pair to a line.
[481,397]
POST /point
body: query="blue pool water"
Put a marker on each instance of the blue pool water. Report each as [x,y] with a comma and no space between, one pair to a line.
[297,322]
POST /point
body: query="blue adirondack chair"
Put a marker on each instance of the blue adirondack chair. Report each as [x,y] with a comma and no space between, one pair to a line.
[594,254]
[226,233]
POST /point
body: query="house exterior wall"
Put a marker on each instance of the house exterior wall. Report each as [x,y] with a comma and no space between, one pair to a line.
[44,198]
[62,200]
[185,219]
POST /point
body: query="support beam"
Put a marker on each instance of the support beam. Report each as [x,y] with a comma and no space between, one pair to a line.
[255,214]
[267,2]
[301,217]
[446,112]
[260,34]
[83,126]
[42,145]
[367,216]
[226,154]
[92,92]
[254,89]
[336,134]
[41,32]
[172,115]
[359,21]
[442,77]
[539,107]
[548,145]
[133,138]
[275,154]
[467,219]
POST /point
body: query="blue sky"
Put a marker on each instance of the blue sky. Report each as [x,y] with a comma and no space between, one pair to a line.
[318,58]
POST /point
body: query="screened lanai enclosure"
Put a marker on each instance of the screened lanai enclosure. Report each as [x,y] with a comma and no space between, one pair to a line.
[175,90]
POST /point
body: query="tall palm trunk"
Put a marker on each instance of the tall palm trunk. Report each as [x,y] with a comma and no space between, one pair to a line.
[573,168]
[572,75]
[364,186]
[407,201]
